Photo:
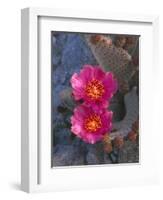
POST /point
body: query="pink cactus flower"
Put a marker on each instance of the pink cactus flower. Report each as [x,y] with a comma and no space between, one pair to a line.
[89,124]
[94,86]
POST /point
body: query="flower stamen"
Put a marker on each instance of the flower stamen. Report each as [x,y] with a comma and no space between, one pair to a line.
[92,123]
[94,89]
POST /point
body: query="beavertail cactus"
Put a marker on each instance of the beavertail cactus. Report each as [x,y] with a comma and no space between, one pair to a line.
[127,42]
[111,57]
[124,127]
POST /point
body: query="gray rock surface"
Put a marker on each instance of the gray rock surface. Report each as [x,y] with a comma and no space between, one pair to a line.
[67,155]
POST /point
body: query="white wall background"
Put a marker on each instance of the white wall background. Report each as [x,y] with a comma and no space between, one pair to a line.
[10,97]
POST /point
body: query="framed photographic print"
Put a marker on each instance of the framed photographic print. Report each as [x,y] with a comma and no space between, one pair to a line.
[87,114]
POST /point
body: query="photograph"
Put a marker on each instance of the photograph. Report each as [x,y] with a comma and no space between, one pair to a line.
[94,99]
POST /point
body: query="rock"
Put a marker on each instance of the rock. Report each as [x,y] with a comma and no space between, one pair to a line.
[58,42]
[107,159]
[56,100]
[67,155]
[76,54]
[62,136]
[92,158]
[94,154]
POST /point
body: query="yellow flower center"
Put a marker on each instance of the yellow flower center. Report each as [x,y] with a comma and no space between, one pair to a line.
[94,89]
[92,123]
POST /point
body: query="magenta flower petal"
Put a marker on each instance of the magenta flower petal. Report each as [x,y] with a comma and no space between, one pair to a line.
[94,86]
[77,85]
[89,124]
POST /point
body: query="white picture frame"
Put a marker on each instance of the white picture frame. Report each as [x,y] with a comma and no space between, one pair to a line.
[36,171]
